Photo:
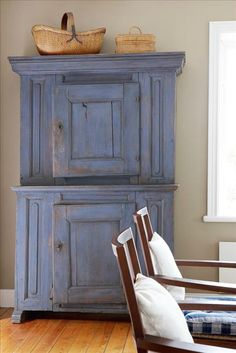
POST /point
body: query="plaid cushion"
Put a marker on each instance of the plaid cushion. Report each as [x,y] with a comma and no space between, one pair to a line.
[211,322]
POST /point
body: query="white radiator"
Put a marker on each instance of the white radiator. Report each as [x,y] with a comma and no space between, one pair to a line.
[227,252]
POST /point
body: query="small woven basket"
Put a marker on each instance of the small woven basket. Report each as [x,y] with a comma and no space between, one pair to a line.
[135,43]
[50,41]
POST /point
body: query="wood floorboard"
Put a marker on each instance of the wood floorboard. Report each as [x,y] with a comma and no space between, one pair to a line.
[6,313]
[3,311]
[129,344]
[48,340]
[64,336]
[118,338]
[17,337]
[84,337]
[37,333]
[100,340]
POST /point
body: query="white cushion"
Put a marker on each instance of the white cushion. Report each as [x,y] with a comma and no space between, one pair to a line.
[160,314]
[164,264]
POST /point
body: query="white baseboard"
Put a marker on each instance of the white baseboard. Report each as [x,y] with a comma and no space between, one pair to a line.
[227,252]
[7,298]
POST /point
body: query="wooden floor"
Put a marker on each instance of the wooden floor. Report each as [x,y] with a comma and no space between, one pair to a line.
[73,336]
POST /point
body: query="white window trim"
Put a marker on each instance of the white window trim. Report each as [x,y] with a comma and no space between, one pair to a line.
[215,29]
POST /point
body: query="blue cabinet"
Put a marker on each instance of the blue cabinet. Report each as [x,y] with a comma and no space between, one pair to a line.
[97,143]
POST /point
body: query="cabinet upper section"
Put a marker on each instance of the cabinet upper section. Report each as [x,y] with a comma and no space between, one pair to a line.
[94,119]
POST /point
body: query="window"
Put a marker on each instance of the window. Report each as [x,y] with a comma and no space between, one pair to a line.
[222,123]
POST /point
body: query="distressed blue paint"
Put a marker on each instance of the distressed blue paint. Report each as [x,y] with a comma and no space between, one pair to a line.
[141,90]
[93,127]
[83,219]
[82,275]
[97,143]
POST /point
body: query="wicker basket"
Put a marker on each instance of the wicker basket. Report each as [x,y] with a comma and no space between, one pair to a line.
[135,43]
[50,41]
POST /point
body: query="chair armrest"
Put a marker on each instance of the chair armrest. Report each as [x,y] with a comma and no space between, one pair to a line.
[206,263]
[164,345]
[197,284]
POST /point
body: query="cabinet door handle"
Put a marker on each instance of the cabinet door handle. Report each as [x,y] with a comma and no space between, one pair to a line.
[86,107]
[59,246]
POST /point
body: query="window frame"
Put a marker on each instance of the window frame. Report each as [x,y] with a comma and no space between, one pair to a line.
[215,30]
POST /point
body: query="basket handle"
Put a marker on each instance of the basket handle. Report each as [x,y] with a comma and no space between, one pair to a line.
[135,27]
[69,18]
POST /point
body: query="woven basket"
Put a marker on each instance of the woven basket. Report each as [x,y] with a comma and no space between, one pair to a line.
[50,41]
[135,43]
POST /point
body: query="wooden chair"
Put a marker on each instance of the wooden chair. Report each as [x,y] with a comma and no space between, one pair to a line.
[216,302]
[125,251]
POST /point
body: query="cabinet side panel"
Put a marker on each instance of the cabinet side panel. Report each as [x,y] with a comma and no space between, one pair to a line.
[36,117]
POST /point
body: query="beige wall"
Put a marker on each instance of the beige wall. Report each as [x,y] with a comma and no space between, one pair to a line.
[178,25]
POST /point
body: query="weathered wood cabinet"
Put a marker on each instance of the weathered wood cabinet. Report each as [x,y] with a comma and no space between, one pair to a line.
[97,143]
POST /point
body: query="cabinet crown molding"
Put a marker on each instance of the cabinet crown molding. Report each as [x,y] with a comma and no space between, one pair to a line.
[25,65]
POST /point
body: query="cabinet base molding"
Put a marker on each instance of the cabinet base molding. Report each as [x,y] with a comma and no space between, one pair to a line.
[7,298]
[91,308]
[19,316]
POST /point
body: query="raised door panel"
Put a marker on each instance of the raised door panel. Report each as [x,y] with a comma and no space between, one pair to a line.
[96,130]
[33,253]
[36,116]
[85,269]
[160,207]
[157,127]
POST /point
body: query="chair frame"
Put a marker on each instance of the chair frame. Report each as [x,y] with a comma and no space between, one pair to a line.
[125,251]
[145,231]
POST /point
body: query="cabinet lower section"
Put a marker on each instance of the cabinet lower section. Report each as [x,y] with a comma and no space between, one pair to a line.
[64,260]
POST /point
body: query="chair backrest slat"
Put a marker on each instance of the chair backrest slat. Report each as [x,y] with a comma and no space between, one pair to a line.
[133,257]
[125,251]
[145,231]
[148,225]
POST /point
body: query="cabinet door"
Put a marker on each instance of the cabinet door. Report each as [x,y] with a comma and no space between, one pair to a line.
[85,269]
[96,130]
